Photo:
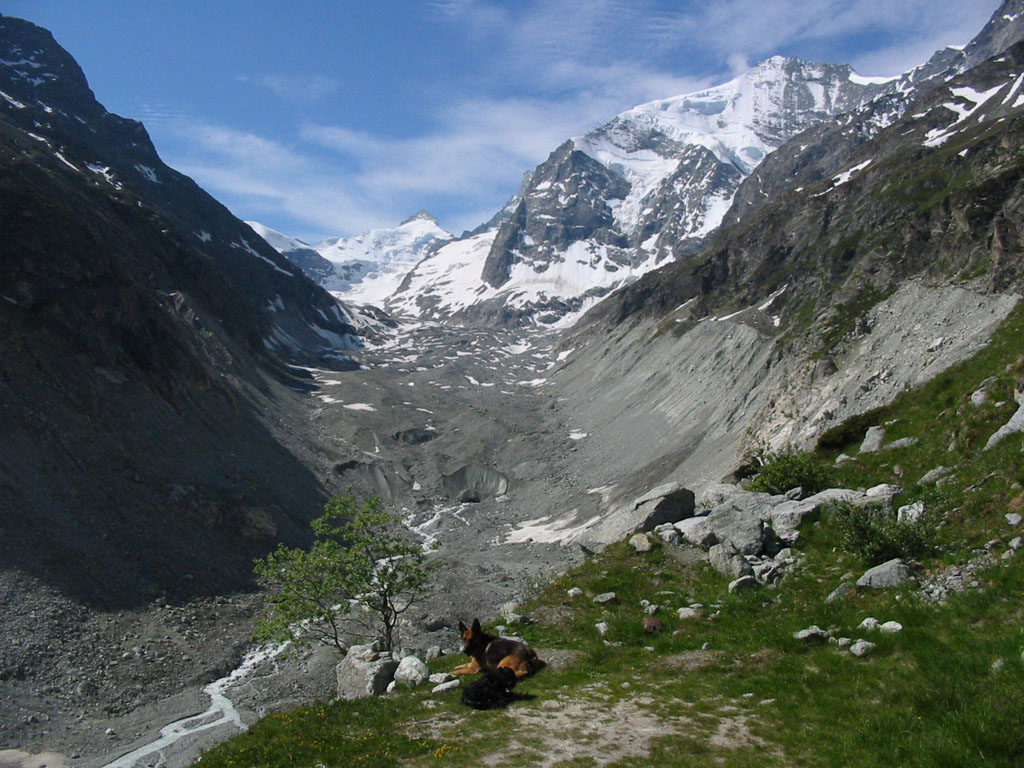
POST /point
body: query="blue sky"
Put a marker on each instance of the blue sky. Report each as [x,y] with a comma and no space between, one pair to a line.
[329,118]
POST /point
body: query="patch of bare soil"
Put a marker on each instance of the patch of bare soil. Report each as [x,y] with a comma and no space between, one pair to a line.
[568,729]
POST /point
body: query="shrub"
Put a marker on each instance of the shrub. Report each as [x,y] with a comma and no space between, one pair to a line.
[875,534]
[782,471]
[363,565]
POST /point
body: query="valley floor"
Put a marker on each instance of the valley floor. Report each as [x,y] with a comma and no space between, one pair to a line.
[434,415]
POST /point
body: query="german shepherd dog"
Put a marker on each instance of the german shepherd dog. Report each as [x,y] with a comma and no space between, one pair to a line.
[488,652]
[491,691]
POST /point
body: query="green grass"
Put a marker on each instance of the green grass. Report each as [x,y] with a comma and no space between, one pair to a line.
[929,696]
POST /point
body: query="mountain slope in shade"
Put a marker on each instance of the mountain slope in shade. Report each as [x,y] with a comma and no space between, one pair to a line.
[146,334]
[609,206]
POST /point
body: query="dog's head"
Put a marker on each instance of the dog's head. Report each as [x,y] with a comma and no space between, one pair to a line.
[473,638]
[503,678]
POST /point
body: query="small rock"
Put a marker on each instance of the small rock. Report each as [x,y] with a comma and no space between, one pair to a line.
[510,612]
[640,542]
[861,648]
[870,624]
[743,582]
[727,560]
[903,442]
[411,672]
[652,609]
[883,491]
[687,613]
[670,535]
[448,686]
[392,686]
[605,597]
[844,642]
[910,513]
[602,628]
[574,592]
[707,647]
[979,397]
[1014,519]
[440,677]
[933,475]
[840,592]
[842,458]
[872,439]
[1016,543]
[997,665]
[891,627]
[433,652]
[794,494]
[812,635]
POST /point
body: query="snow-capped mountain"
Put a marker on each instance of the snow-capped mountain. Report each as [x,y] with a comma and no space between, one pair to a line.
[368,267]
[827,147]
[613,204]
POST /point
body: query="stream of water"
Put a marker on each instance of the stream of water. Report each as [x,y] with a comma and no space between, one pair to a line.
[220,712]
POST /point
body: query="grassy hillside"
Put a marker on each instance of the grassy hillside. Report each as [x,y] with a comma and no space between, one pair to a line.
[731,686]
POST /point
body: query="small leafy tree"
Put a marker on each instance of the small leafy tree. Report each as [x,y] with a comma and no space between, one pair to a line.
[362,565]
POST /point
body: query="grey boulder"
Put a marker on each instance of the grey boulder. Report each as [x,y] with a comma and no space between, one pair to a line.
[893,573]
[363,672]
[411,672]
[664,504]
[727,560]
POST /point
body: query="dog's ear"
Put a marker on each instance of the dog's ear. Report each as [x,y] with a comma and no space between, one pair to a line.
[462,627]
[476,626]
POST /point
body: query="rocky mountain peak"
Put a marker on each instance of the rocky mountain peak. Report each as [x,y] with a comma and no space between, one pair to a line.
[1004,29]
[423,215]
[33,66]
[652,182]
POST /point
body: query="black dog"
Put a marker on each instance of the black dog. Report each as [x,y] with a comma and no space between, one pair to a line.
[492,690]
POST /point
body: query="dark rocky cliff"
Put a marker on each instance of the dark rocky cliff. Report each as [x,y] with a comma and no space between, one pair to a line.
[145,342]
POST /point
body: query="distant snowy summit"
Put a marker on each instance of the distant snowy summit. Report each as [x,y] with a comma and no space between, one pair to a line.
[366,268]
[647,186]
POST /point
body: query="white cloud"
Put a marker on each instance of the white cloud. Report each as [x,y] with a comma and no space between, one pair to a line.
[308,88]
[544,72]
[254,175]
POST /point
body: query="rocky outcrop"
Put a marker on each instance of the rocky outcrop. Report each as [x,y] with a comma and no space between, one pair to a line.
[365,671]
[664,504]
